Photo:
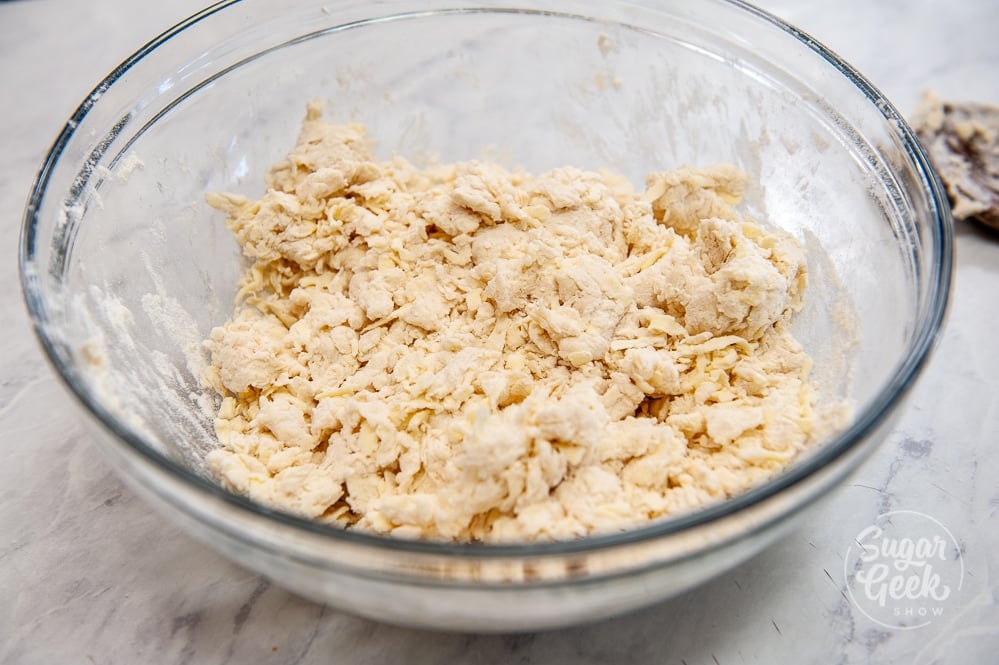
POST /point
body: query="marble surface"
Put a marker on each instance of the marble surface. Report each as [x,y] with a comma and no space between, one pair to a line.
[89,574]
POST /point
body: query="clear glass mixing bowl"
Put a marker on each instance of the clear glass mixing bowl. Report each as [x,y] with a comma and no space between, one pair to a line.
[125,269]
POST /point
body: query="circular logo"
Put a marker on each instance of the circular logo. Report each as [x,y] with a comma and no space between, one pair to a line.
[904,571]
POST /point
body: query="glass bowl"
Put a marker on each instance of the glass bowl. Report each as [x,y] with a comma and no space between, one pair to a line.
[125,269]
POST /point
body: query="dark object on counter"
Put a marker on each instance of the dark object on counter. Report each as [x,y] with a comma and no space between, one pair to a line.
[963,143]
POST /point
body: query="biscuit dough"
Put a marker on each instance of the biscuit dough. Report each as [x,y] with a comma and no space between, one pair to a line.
[469,353]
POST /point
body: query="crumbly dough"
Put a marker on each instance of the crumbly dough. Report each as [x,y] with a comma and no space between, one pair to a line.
[469,353]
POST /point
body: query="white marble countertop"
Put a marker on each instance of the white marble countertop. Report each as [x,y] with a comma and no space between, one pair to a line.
[89,574]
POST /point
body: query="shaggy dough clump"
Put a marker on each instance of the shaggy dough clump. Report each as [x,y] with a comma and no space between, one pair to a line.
[468,353]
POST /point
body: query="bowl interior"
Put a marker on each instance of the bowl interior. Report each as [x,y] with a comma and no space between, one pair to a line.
[128,269]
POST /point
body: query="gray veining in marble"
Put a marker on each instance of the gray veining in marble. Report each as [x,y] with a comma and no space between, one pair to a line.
[88,574]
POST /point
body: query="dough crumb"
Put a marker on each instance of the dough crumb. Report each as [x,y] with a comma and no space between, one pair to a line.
[470,353]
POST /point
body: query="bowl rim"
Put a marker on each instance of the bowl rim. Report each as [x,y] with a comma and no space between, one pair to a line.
[884,402]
